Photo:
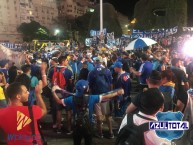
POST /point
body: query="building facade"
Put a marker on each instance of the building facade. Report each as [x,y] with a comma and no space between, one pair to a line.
[15,12]
[72,8]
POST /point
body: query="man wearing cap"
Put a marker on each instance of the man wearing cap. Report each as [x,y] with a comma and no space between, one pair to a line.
[83,130]
[144,71]
[124,82]
[100,81]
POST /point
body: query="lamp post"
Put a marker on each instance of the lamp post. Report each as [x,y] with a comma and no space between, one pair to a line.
[101,15]
[101,22]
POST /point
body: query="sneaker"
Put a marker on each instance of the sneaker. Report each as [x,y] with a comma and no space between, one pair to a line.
[99,135]
[111,136]
[69,132]
[59,131]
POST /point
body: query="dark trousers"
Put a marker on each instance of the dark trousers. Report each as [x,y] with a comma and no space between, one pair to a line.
[82,132]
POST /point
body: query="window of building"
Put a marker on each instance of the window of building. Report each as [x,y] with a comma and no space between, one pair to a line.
[7,1]
[15,2]
[159,12]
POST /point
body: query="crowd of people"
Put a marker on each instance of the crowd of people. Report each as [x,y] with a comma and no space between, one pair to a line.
[90,84]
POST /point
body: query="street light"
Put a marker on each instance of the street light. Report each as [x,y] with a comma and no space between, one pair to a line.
[57,31]
[91,10]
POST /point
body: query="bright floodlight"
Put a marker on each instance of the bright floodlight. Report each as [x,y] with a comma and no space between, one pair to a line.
[188,47]
[91,10]
[57,31]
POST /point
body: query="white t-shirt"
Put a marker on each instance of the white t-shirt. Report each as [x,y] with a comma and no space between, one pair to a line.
[150,136]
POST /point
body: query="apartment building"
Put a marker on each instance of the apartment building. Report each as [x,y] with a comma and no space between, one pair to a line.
[45,12]
[72,8]
[15,12]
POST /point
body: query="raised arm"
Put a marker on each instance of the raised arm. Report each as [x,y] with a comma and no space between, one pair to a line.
[43,73]
[111,94]
[40,102]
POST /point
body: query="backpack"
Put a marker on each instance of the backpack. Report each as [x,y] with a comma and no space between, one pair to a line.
[81,117]
[101,84]
[58,78]
[132,134]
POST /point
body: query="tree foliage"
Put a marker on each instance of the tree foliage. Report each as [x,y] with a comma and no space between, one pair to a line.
[175,14]
[33,30]
[110,20]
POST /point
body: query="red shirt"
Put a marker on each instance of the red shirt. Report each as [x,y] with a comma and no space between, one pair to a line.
[15,121]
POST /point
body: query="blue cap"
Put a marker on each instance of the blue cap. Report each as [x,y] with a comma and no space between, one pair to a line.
[81,86]
[118,64]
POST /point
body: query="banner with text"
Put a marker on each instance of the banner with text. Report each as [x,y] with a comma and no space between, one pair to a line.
[157,33]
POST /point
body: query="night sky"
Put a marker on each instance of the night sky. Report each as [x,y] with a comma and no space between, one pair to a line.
[126,7]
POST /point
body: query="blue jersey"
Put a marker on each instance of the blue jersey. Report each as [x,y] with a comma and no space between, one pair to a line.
[124,82]
[5,72]
[92,77]
[74,66]
[145,70]
[93,99]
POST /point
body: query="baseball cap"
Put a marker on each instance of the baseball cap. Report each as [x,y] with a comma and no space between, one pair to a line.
[81,86]
[118,64]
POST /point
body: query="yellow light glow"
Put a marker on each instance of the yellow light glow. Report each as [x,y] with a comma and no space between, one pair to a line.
[133,21]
